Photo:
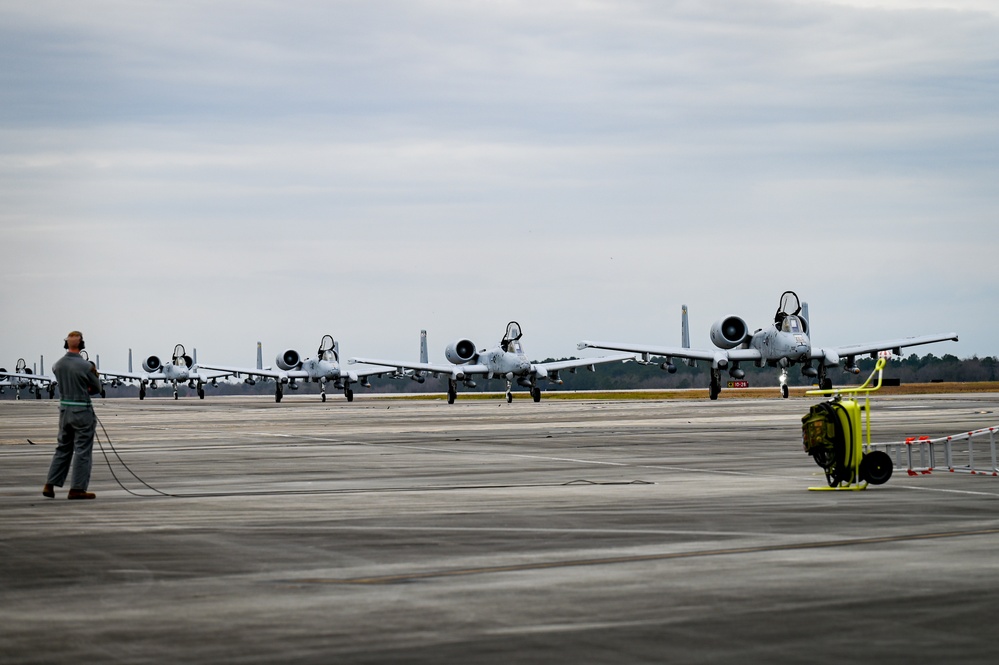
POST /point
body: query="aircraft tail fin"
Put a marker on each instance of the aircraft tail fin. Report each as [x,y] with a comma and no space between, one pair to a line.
[41,364]
[195,357]
[130,361]
[98,363]
[260,356]
[804,315]
[685,335]
[336,350]
[424,356]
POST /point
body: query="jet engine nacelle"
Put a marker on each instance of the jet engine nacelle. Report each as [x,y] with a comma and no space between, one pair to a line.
[460,352]
[729,332]
[288,359]
[152,364]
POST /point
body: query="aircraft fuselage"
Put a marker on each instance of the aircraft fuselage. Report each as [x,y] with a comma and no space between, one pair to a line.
[505,362]
[789,344]
[319,369]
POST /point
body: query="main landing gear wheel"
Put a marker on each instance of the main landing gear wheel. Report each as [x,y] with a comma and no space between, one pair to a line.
[322,396]
[349,394]
[784,391]
[201,392]
[509,397]
[825,384]
[142,392]
[714,390]
[175,396]
[452,394]
[536,394]
[278,394]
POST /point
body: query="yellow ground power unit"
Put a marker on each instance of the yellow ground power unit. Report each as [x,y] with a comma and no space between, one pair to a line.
[837,434]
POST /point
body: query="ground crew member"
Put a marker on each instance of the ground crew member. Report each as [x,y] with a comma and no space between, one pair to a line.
[77,380]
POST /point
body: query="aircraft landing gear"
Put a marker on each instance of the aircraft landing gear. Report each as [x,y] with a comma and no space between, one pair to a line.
[278,392]
[322,395]
[826,384]
[348,393]
[175,395]
[38,393]
[201,391]
[536,393]
[142,392]
[452,391]
[509,397]
[715,388]
[784,391]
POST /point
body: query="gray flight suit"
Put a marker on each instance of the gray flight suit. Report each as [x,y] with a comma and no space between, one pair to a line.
[77,381]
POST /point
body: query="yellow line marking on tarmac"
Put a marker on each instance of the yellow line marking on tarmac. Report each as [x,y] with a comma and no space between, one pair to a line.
[640,558]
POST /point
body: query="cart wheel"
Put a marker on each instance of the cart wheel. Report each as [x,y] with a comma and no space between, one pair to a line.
[876,467]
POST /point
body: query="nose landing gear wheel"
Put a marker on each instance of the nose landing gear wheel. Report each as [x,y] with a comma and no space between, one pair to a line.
[322,396]
[784,391]
[509,397]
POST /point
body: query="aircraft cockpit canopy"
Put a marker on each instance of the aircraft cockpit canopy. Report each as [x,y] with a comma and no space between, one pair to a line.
[327,348]
[790,305]
[179,355]
[513,333]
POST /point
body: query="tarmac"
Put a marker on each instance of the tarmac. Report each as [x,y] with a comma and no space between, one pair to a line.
[589,531]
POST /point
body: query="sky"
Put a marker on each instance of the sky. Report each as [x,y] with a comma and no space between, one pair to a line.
[220,173]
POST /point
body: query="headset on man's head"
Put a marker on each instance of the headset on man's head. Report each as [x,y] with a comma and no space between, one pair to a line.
[65,342]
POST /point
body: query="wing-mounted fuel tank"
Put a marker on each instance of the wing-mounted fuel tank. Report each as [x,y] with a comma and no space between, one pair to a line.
[152,364]
[460,352]
[288,359]
[729,332]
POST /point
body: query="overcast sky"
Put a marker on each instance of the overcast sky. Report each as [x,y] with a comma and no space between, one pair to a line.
[218,173]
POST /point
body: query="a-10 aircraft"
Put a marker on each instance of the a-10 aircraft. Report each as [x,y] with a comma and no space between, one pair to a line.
[293,368]
[782,344]
[22,378]
[507,361]
[179,370]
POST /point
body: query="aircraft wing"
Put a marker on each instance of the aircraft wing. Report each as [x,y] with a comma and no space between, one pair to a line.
[714,356]
[368,371]
[583,362]
[197,374]
[43,378]
[873,347]
[269,373]
[424,367]
[157,376]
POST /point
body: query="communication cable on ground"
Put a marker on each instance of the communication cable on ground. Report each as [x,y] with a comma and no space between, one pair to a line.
[160,493]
